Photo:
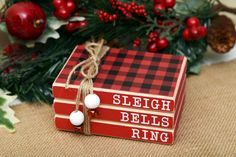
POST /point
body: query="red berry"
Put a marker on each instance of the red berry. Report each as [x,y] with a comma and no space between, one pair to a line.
[1,19]
[162,43]
[152,47]
[150,40]
[169,3]
[133,4]
[8,50]
[168,23]
[136,43]
[158,8]
[153,34]
[7,70]
[194,33]
[71,26]
[193,22]
[25,20]
[202,31]
[34,55]
[71,5]
[152,37]
[105,14]
[186,35]
[158,1]
[160,22]
[82,24]
[11,48]
[114,16]
[58,3]
[62,13]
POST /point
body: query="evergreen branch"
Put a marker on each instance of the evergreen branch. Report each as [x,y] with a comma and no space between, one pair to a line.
[31,80]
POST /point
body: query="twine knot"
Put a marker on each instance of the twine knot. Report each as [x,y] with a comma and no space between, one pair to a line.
[89,69]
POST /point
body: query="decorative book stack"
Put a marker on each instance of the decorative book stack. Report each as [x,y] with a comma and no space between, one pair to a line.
[141,95]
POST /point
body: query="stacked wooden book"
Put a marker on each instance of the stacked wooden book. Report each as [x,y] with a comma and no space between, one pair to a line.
[142,95]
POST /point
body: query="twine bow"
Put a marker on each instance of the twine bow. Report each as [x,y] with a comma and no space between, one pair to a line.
[89,70]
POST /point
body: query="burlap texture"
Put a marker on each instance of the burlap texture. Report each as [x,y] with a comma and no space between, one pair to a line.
[207,127]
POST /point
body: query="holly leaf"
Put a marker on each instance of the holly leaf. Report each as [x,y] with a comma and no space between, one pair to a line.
[186,7]
[193,4]
[2,101]
[7,118]
[3,27]
[54,23]
[48,33]
[181,8]
[76,19]
[6,123]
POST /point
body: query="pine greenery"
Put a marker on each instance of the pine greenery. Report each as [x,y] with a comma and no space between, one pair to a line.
[32,80]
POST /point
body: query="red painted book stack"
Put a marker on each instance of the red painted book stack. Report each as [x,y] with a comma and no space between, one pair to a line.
[142,95]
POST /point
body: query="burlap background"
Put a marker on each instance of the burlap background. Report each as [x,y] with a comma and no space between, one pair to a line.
[207,127]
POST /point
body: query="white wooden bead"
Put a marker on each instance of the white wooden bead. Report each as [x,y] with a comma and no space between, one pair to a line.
[76,118]
[92,101]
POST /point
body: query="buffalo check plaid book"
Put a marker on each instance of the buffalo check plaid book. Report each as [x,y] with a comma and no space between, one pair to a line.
[142,95]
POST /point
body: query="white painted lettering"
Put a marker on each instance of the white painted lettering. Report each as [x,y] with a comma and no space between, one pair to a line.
[164,137]
[154,135]
[125,103]
[165,105]
[116,99]
[144,119]
[165,122]
[124,117]
[145,132]
[146,101]
[155,121]
[135,118]
[155,104]
[137,102]
[135,133]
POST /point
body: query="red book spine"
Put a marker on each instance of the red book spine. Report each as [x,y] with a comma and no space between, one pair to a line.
[138,101]
[121,131]
[119,99]
[117,114]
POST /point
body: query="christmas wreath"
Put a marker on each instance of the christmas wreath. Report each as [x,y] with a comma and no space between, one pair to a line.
[43,34]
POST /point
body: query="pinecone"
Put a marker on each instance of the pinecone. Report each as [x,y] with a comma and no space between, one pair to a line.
[221,34]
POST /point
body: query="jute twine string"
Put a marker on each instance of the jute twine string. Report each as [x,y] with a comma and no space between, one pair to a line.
[89,70]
